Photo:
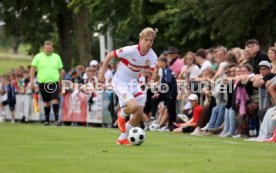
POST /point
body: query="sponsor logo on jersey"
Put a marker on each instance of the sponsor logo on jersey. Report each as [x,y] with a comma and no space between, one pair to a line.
[135,68]
[147,62]
[132,67]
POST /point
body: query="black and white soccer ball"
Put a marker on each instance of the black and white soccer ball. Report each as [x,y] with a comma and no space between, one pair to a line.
[136,136]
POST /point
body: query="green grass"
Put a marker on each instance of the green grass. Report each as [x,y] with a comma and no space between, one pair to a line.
[7,64]
[35,148]
[22,49]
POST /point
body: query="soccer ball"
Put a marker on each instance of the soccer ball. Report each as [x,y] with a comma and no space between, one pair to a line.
[136,136]
[153,127]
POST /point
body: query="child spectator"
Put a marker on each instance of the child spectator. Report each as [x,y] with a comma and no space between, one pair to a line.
[10,99]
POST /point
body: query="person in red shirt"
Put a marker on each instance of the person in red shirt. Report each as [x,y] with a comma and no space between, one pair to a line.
[192,123]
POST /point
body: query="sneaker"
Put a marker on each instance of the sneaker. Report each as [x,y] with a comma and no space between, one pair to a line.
[57,123]
[123,142]
[205,128]
[154,127]
[164,129]
[183,117]
[121,123]
[253,132]
[256,139]
[196,132]
[222,134]
[46,123]
[226,135]
[240,136]
[214,130]
[147,124]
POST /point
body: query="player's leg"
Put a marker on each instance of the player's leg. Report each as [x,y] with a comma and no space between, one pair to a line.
[46,97]
[55,103]
[123,126]
[135,107]
[128,105]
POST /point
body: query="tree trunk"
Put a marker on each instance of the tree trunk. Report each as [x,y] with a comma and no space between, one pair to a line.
[15,45]
[64,20]
[83,36]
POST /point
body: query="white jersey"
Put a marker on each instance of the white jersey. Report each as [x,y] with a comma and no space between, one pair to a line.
[132,62]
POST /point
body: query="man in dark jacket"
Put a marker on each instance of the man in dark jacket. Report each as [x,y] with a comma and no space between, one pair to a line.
[256,54]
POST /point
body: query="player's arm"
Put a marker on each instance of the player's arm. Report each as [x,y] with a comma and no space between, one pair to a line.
[104,67]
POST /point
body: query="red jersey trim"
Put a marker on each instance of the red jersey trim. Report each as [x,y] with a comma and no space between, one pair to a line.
[152,69]
[115,54]
[132,67]
[139,49]
[138,94]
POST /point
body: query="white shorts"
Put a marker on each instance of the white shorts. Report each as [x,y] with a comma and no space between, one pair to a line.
[126,91]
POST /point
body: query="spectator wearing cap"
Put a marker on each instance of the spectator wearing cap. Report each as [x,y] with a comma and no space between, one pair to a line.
[94,66]
[175,63]
[189,126]
[259,80]
[256,55]
[269,122]
[93,63]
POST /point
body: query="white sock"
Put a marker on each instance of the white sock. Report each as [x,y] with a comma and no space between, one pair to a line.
[125,135]
[128,127]
[123,114]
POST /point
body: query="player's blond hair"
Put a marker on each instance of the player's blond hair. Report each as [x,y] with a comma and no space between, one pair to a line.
[148,32]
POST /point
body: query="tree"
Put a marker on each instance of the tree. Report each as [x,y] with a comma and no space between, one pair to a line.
[82,30]
[26,21]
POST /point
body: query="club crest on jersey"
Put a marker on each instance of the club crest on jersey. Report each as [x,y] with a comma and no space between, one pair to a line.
[147,62]
[121,50]
[124,96]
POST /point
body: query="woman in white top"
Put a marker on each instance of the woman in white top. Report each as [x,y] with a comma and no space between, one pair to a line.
[230,59]
[190,70]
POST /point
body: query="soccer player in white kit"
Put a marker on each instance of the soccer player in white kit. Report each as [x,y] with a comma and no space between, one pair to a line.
[133,60]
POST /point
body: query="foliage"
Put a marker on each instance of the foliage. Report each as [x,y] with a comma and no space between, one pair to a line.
[188,24]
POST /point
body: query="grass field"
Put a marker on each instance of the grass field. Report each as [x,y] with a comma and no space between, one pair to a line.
[8,64]
[26,148]
[9,60]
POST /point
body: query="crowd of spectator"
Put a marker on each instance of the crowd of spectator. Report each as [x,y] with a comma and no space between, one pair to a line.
[215,91]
